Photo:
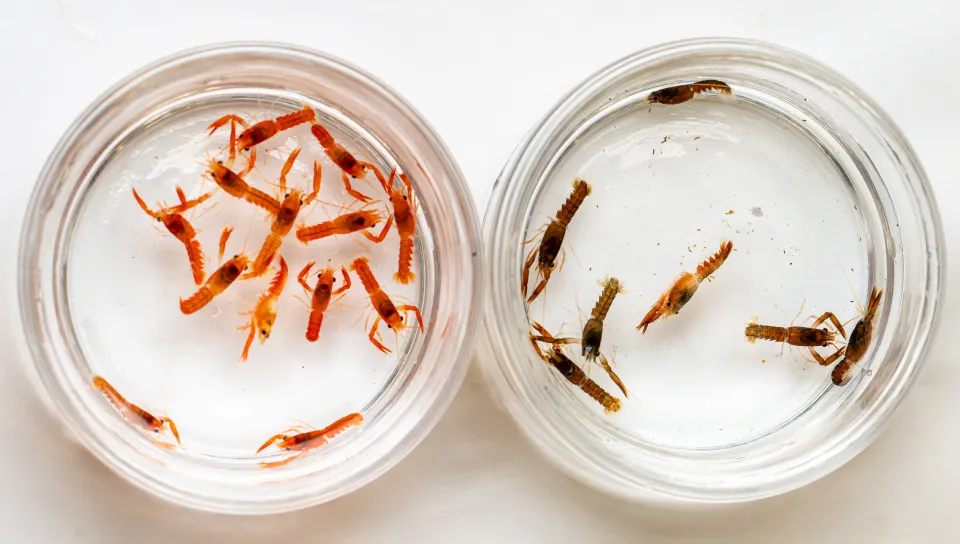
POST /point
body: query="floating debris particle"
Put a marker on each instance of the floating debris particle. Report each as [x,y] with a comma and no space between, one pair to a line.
[756,211]
[729,212]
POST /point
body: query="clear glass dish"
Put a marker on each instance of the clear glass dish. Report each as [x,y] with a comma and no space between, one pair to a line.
[99,283]
[822,199]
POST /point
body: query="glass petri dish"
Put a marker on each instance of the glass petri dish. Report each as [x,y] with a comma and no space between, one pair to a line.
[822,199]
[99,282]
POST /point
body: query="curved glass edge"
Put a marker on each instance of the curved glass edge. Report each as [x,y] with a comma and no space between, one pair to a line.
[547,440]
[459,206]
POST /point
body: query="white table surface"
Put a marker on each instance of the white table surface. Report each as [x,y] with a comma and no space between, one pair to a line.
[482,74]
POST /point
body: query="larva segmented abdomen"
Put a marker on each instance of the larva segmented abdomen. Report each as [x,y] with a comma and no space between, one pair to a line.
[404,273]
[293,119]
[195,254]
[608,401]
[197,301]
[313,326]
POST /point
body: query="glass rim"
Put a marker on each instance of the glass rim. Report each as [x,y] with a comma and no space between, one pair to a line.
[449,353]
[503,315]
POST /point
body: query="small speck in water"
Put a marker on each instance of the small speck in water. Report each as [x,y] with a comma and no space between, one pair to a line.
[729,212]
[756,211]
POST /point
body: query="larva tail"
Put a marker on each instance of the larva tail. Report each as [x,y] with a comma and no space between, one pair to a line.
[195,254]
[293,119]
[711,265]
[197,301]
[404,273]
[313,326]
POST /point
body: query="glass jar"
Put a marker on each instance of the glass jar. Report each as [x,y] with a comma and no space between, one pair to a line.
[98,287]
[810,181]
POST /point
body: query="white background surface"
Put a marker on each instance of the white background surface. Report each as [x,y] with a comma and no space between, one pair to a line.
[482,74]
